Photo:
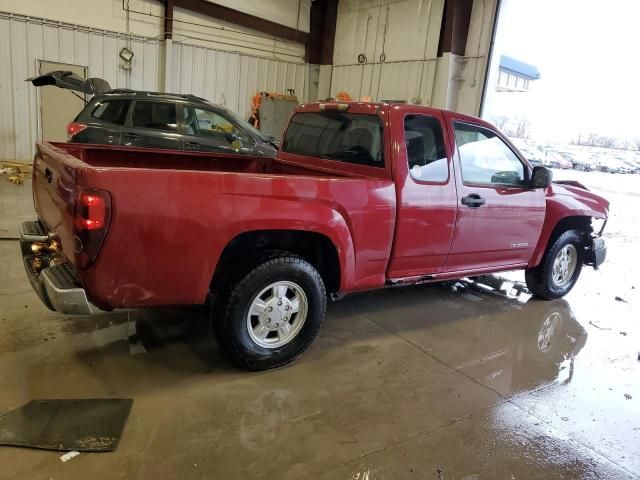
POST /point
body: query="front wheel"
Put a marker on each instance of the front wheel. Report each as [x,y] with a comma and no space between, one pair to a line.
[272,314]
[560,267]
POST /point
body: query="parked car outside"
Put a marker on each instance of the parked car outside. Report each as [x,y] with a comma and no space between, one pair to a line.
[576,162]
[533,155]
[156,120]
[555,160]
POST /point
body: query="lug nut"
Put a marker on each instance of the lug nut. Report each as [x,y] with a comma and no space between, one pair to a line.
[268,320]
[270,309]
[287,307]
[276,325]
[279,302]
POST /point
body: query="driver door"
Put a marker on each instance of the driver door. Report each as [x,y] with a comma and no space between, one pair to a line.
[208,131]
[499,216]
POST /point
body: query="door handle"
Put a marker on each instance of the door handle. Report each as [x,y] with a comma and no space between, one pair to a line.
[192,145]
[473,200]
[130,135]
[48,174]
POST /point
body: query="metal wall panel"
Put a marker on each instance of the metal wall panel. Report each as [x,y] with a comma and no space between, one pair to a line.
[231,78]
[224,77]
[25,40]
[386,81]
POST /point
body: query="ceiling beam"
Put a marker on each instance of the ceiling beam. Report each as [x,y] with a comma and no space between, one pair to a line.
[230,15]
[168,19]
[324,15]
[456,19]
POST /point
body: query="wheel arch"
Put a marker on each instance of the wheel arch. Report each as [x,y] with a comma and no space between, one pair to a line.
[579,222]
[248,248]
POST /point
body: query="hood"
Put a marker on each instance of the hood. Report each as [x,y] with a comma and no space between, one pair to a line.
[579,199]
[70,81]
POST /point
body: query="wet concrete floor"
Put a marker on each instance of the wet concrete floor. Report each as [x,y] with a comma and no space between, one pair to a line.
[453,381]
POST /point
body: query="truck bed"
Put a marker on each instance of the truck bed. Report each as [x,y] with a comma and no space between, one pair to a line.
[132,157]
[173,213]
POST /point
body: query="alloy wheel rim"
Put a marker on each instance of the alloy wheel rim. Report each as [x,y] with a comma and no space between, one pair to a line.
[564,265]
[276,314]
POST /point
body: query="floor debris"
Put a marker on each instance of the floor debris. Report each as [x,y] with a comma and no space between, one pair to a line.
[69,455]
[83,425]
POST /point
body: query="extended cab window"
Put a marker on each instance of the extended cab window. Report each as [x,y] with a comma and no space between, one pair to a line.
[425,148]
[345,137]
[112,111]
[156,115]
[485,158]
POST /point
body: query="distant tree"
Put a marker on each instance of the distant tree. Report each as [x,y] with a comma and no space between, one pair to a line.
[635,144]
[500,121]
[597,140]
[522,127]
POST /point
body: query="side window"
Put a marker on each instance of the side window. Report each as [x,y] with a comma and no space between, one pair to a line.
[112,111]
[485,158]
[156,115]
[210,124]
[425,148]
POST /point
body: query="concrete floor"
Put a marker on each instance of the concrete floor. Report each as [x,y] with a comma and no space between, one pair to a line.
[432,382]
[16,206]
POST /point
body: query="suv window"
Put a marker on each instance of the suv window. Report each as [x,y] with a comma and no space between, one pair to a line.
[112,111]
[485,158]
[210,124]
[426,155]
[156,115]
[345,137]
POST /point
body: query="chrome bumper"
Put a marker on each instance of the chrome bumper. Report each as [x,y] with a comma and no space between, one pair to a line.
[57,285]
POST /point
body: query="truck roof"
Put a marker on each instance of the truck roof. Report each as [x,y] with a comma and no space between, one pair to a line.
[375,107]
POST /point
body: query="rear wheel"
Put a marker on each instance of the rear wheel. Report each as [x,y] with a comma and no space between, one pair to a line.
[272,314]
[560,267]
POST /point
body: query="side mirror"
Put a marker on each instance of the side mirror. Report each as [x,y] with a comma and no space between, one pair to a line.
[234,140]
[541,177]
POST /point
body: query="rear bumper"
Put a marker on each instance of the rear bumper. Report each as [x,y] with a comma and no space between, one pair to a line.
[56,285]
[596,252]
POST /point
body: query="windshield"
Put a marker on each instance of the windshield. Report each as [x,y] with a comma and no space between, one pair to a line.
[247,126]
[345,137]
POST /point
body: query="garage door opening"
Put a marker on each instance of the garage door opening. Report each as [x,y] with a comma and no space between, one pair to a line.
[556,83]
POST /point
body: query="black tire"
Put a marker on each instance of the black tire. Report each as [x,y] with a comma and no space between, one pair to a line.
[231,310]
[540,279]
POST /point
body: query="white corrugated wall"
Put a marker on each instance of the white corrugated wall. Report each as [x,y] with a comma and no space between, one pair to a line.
[25,40]
[220,76]
[231,79]
[403,80]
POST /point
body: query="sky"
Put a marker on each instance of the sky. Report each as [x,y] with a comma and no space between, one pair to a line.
[587,54]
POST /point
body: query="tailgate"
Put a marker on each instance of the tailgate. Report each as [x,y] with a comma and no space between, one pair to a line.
[54,181]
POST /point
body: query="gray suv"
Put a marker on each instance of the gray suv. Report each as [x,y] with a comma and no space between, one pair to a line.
[156,120]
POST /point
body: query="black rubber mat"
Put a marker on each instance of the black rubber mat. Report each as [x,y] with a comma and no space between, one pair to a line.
[86,425]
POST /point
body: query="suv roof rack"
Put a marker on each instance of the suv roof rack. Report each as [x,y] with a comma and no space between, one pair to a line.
[127,91]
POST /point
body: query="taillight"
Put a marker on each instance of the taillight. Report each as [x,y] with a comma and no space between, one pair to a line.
[73,128]
[91,218]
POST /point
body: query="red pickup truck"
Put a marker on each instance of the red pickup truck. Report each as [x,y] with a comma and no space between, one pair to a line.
[361,196]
